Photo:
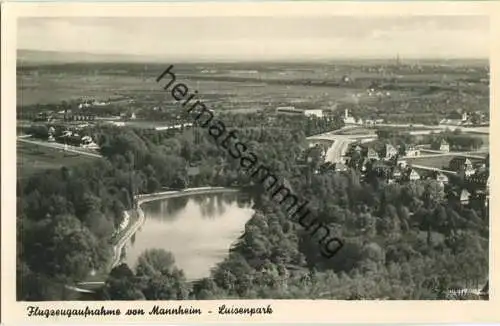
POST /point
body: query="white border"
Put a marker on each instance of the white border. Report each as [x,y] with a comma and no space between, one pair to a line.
[290,311]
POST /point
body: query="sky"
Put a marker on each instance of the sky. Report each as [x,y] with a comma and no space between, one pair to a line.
[262,38]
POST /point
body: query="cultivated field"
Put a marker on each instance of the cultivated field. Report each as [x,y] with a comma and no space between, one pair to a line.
[230,87]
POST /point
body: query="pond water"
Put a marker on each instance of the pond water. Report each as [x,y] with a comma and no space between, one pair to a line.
[197,229]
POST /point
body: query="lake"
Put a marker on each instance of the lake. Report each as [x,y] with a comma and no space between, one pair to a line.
[197,229]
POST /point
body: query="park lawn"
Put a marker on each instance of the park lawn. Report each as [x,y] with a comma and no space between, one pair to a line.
[32,158]
[434,162]
[440,162]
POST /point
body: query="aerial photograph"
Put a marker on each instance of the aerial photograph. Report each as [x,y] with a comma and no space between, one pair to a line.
[213,158]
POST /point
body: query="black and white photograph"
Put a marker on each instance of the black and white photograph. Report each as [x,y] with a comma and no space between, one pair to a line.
[259,157]
[337,158]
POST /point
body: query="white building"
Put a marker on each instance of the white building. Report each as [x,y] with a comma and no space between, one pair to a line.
[414,175]
[466,172]
[84,105]
[412,152]
[348,119]
[402,163]
[87,142]
[98,103]
[465,196]
[390,151]
[317,113]
[444,146]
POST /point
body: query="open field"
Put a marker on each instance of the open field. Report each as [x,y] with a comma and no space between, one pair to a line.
[39,89]
[435,162]
[32,159]
[312,86]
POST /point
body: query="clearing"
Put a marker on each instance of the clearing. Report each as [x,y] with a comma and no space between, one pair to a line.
[32,158]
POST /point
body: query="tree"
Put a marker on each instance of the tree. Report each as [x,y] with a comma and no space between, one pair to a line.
[154,262]
[162,280]
[63,247]
[122,285]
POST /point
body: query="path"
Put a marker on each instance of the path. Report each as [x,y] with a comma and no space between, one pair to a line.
[141,199]
[117,249]
[423,167]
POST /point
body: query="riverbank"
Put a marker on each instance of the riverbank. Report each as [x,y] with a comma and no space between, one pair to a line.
[141,199]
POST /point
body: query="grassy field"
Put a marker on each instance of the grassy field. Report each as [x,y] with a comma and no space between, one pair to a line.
[435,162]
[32,159]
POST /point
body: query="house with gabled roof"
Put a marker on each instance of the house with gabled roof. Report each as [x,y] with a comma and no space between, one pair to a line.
[390,151]
[412,151]
[414,175]
[465,197]
[444,146]
[372,154]
[466,172]
[460,162]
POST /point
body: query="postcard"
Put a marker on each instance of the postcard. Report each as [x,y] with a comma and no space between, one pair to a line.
[281,162]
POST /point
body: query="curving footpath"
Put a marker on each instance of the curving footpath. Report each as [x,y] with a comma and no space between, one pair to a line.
[141,199]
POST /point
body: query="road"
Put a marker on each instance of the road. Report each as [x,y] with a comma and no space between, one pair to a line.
[337,150]
[428,168]
[341,142]
[62,147]
[332,137]
[440,154]
[117,249]
[485,130]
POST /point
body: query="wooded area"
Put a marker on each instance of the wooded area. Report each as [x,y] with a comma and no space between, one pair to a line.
[400,241]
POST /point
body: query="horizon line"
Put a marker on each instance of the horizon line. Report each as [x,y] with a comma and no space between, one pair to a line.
[155,58]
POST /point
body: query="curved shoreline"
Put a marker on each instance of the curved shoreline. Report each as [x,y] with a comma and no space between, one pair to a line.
[141,199]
